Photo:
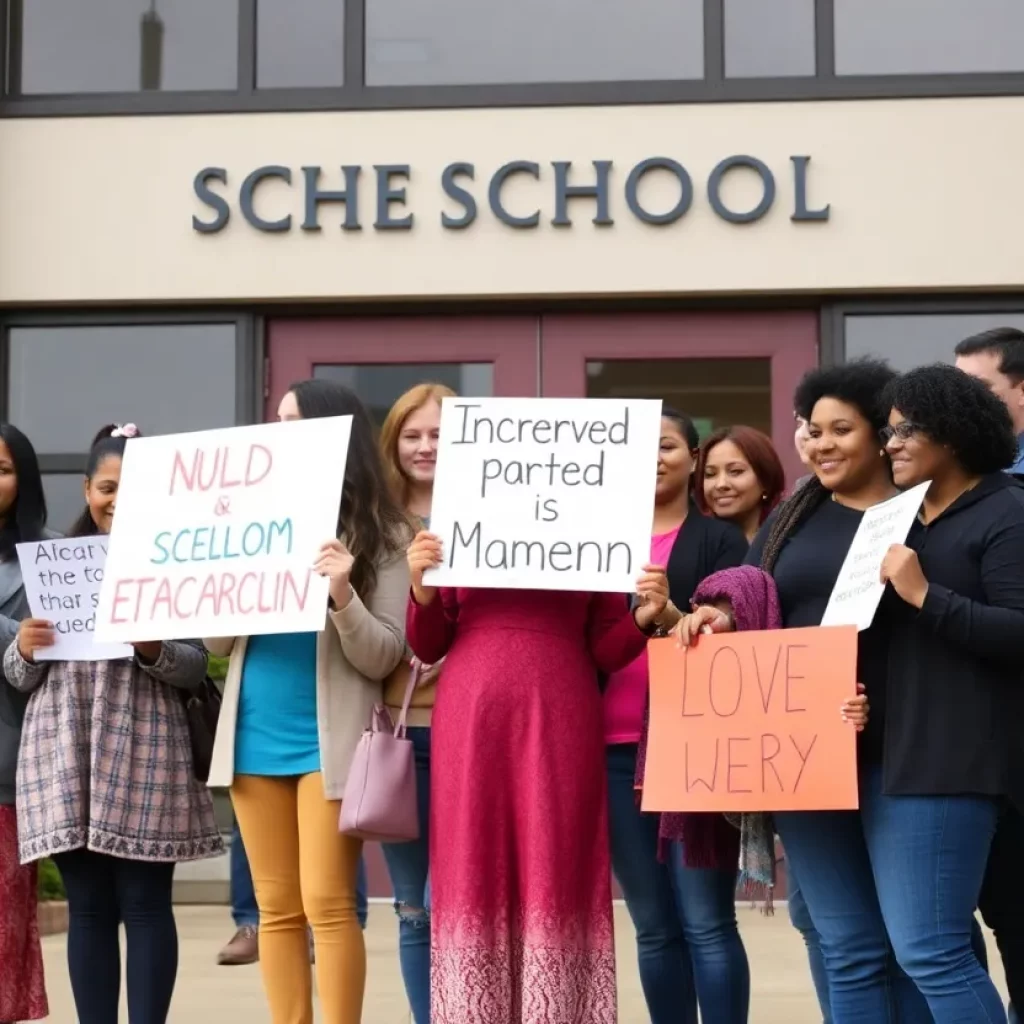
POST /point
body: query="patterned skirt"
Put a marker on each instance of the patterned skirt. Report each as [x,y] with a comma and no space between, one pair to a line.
[22,991]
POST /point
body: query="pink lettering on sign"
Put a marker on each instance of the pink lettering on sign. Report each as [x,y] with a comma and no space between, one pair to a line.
[220,469]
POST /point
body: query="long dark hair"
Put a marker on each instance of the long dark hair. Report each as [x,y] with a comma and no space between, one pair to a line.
[370,520]
[861,383]
[104,445]
[26,519]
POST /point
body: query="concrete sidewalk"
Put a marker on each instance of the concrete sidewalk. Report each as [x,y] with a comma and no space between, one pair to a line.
[782,991]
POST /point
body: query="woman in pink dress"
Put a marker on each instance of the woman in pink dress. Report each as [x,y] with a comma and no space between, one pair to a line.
[520,873]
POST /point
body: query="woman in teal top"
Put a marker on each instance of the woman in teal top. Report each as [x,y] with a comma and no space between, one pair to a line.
[277,725]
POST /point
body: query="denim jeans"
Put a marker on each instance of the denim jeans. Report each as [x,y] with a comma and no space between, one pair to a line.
[801,920]
[904,871]
[1002,905]
[243,895]
[688,945]
[408,866]
[800,916]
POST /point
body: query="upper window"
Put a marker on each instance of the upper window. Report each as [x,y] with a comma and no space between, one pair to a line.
[920,37]
[299,43]
[769,38]
[476,42]
[915,339]
[96,46]
[166,378]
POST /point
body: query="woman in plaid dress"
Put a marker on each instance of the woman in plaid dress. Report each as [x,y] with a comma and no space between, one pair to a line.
[106,787]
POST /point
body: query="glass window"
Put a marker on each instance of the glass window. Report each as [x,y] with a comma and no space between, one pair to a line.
[90,46]
[713,392]
[472,42]
[65,498]
[66,382]
[916,339]
[919,37]
[299,43]
[380,384]
[769,38]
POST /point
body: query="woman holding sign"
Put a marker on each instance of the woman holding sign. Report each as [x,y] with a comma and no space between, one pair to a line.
[521,908]
[408,443]
[295,707]
[22,519]
[682,901]
[106,786]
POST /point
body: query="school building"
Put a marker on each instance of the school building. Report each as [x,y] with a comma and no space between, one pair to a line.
[202,201]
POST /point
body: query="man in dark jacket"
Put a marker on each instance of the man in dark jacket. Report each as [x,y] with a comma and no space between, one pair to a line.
[997,358]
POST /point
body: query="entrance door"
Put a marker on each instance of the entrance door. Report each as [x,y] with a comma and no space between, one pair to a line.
[719,368]
[382,357]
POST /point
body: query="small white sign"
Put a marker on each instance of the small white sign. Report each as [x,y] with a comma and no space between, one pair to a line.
[216,532]
[62,583]
[545,493]
[858,588]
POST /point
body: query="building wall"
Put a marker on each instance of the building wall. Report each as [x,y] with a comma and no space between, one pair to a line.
[923,195]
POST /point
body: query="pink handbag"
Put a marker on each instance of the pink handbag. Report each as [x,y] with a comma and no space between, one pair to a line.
[380,795]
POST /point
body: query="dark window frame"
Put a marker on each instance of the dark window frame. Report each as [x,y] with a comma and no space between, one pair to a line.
[832,334]
[355,95]
[249,359]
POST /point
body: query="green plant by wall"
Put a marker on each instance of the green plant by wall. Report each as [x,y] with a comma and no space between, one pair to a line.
[51,886]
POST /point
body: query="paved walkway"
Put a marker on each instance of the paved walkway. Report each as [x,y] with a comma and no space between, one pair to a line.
[781,986]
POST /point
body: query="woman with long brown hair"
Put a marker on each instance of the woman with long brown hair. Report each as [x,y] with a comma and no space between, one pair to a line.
[295,707]
[408,443]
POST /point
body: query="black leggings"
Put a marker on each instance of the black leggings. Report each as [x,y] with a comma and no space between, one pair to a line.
[1002,900]
[103,892]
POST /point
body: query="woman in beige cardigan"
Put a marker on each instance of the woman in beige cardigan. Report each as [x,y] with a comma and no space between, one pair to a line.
[294,708]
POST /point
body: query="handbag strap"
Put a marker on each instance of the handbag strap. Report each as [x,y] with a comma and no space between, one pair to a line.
[410,688]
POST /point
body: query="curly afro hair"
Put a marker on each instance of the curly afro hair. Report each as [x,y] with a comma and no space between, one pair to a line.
[958,410]
[859,383]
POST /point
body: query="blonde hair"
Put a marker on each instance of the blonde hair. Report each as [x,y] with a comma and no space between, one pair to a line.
[414,399]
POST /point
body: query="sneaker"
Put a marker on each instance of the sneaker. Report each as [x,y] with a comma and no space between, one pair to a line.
[244,948]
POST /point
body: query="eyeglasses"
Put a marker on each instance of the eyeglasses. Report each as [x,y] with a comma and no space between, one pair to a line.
[902,432]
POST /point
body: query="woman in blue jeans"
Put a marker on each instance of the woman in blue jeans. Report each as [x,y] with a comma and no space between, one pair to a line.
[688,944]
[940,664]
[408,441]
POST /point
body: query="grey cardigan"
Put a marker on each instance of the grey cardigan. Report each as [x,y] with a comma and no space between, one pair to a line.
[13,608]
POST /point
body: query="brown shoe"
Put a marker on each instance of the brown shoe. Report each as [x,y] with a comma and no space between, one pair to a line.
[243,949]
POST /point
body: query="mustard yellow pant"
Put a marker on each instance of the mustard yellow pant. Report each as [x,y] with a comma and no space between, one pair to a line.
[303,870]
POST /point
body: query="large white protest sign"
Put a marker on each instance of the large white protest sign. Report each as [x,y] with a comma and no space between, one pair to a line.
[858,589]
[62,584]
[216,532]
[545,493]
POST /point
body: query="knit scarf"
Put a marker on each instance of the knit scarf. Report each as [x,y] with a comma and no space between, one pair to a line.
[715,840]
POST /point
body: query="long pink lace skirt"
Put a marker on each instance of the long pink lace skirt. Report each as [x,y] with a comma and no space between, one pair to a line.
[22,989]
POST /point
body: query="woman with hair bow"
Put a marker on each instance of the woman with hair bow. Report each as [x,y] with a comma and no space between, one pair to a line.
[106,786]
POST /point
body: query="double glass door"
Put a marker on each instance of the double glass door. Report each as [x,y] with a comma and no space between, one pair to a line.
[720,368]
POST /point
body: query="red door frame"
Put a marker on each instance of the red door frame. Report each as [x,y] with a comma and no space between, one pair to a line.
[788,339]
[295,346]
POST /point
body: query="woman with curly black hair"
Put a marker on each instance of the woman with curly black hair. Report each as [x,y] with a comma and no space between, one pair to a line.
[959,709]
[847,860]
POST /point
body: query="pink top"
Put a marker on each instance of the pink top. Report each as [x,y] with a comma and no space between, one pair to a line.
[625,697]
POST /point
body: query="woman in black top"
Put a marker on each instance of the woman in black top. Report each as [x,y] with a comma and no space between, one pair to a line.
[957,719]
[802,546]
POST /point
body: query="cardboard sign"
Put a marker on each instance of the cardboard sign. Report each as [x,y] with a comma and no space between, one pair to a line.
[858,589]
[545,493]
[750,722]
[216,532]
[62,583]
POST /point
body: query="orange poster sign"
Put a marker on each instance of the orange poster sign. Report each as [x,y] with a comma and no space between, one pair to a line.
[750,722]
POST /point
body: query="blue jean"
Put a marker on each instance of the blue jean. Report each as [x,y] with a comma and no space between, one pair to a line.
[801,920]
[903,873]
[409,868]
[800,916]
[243,895]
[688,944]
